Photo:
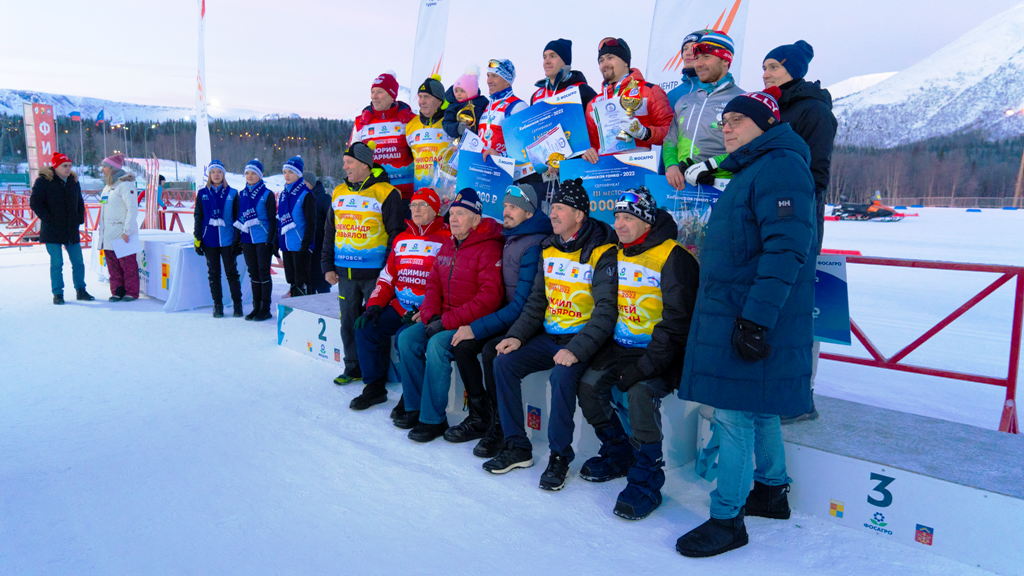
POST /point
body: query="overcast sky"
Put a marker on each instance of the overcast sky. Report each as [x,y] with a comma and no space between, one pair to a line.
[318,58]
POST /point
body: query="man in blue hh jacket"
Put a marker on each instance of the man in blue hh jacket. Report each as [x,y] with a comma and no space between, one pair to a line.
[749,349]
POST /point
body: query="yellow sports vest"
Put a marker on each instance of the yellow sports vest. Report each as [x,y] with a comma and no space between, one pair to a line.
[426,143]
[640,300]
[360,240]
[567,285]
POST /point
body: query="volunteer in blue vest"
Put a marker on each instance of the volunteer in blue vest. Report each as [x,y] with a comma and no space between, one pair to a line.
[567,319]
[368,215]
[748,353]
[524,226]
[464,285]
[657,290]
[257,223]
[689,82]
[296,212]
[216,237]
[500,76]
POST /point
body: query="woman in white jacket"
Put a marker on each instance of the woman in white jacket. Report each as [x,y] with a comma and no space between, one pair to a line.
[119,219]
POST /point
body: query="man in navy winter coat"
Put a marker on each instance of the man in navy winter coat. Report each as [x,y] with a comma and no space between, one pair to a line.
[524,225]
[749,349]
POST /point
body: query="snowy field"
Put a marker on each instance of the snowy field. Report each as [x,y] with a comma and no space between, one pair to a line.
[138,442]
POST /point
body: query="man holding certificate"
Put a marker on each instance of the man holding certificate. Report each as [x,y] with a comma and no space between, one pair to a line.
[612,127]
[500,76]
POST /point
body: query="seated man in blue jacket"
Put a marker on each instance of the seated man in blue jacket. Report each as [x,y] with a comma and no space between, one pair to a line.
[524,226]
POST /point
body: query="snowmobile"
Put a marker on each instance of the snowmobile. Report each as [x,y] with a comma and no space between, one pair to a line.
[874,211]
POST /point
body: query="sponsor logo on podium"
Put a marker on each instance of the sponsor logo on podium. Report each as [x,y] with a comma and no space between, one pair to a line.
[836,509]
[337,355]
[533,417]
[309,345]
[878,524]
[924,535]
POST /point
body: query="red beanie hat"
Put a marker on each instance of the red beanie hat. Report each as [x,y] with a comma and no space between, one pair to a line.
[388,83]
[58,159]
[429,196]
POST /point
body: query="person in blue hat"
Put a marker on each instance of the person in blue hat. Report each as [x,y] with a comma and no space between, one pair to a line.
[257,226]
[216,237]
[296,212]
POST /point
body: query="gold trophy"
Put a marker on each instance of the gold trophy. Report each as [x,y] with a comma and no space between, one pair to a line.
[466,117]
[630,104]
[555,159]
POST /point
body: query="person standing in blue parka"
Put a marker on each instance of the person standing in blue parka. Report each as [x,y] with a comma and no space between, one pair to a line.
[216,238]
[257,222]
[296,213]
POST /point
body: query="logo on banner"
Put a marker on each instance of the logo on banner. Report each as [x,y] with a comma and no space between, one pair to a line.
[924,535]
[836,509]
[165,274]
[878,524]
[533,417]
[309,345]
[337,355]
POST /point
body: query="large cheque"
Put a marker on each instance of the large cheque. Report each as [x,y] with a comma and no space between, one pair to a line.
[607,179]
[690,207]
[563,111]
[488,177]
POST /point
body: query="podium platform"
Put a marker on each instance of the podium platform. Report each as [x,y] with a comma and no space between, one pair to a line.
[310,326]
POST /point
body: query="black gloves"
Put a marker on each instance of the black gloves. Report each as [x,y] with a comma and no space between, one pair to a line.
[371,315]
[236,249]
[629,377]
[750,341]
[407,317]
[434,327]
[199,246]
[272,246]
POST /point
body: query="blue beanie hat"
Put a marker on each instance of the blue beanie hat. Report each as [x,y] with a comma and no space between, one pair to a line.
[794,57]
[216,164]
[468,199]
[254,165]
[563,48]
[295,164]
[503,68]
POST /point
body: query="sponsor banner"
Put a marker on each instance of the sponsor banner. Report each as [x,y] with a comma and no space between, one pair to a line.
[488,177]
[40,137]
[203,151]
[607,179]
[673,19]
[563,110]
[831,301]
[428,48]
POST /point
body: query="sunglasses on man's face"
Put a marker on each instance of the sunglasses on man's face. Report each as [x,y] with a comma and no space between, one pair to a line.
[608,42]
[627,198]
[518,193]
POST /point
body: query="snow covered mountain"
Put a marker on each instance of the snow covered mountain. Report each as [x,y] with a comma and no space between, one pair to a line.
[856,84]
[976,82]
[11,103]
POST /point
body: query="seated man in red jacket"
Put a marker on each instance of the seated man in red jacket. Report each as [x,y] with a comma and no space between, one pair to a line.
[465,284]
[398,294]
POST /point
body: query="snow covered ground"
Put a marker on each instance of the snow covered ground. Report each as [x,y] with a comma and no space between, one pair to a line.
[138,442]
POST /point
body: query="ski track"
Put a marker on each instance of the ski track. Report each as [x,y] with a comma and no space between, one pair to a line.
[138,442]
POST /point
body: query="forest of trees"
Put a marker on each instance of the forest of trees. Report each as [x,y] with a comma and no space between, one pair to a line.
[320,142]
[961,165]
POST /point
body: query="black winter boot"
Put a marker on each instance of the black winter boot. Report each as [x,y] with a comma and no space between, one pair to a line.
[768,501]
[218,310]
[510,458]
[553,478]
[492,442]
[58,299]
[399,409]
[646,477]
[428,432]
[81,294]
[614,458]
[264,313]
[713,537]
[372,395]
[408,420]
[476,423]
[236,309]
[257,299]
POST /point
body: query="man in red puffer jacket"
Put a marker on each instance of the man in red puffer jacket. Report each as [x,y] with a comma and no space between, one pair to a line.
[465,284]
[383,123]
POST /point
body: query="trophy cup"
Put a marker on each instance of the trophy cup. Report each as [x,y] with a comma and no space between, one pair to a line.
[630,103]
[447,169]
[555,159]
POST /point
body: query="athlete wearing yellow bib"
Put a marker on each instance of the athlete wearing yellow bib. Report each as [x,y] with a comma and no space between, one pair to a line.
[657,289]
[426,138]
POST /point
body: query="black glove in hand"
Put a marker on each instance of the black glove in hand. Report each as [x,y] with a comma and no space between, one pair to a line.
[434,327]
[750,340]
[236,249]
[629,377]
[407,317]
[371,315]
[199,246]
[702,173]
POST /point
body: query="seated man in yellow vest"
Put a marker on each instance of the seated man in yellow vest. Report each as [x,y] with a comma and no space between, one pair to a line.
[368,215]
[657,292]
[568,317]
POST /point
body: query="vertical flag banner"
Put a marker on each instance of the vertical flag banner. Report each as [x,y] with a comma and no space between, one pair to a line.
[431,28]
[40,137]
[674,19]
[203,153]
[151,220]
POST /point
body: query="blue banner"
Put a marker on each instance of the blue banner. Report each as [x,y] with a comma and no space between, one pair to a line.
[565,109]
[691,208]
[831,301]
[607,179]
[488,177]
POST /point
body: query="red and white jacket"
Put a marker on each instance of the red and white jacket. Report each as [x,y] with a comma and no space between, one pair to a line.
[386,128]
[654,113]
[403,281]
[502,104]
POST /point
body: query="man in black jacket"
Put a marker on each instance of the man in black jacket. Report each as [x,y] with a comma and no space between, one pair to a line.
[567,318]
[317,283]
[57,201]
[657,289]
[807,108]
[558,75]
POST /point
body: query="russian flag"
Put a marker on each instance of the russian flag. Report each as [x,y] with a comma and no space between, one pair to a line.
[99,118]
[76,116]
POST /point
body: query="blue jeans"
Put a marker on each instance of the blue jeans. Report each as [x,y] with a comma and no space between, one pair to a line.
[743,433]
[426,370]
[374,346]
[510,369]
[57,266]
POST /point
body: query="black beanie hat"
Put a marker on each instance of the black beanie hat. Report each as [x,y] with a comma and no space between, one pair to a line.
[563,48]
[361,152]
[432,87]
[573,194]
[616,46]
